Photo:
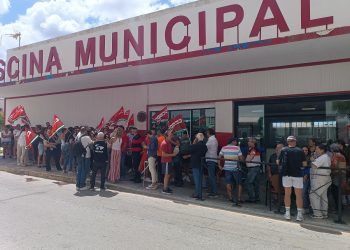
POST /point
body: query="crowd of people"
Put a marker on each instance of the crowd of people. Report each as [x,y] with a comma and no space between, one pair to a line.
[171,158]
[313,172]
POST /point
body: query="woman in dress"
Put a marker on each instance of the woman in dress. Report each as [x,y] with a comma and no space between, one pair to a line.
[116,142]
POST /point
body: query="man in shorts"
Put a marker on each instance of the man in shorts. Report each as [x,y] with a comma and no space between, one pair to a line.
[168,153]
[231,154]
[292,159]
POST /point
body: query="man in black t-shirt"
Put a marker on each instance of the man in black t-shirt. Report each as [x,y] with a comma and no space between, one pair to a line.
[292,159]
[100,156]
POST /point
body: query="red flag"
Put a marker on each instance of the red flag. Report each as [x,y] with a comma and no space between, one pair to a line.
[101,124]
[57,125]
[131,122]
[125,116]
[162,115]
[115,118]
[17,113]
[30,137]
[25,120]
[177,124]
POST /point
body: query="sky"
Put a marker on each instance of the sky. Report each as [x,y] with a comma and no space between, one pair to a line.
[39,20]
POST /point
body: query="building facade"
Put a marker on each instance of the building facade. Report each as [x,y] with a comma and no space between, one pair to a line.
[262,68]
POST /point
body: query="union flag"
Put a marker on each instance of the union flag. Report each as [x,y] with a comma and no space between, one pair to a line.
[57,125]
[31,136]
[17,113]
[120,114]
[131,122]
[177,124]
[101,124]
[162,115]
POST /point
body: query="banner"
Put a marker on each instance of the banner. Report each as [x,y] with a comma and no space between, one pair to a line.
[17,113]
[57,125]
[115,118]
[177,124]
[30,137]
[161,116]
[101,124]
[131,122]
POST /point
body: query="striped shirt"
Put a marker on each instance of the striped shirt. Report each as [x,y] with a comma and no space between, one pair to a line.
[230,152]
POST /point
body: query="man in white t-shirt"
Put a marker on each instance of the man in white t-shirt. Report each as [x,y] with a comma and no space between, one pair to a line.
[84,161]
[21,148]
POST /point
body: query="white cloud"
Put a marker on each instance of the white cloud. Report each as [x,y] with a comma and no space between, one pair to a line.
[4,6]
[52,18]
[178,2]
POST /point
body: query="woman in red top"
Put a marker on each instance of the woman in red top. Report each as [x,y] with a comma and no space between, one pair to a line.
[144,156]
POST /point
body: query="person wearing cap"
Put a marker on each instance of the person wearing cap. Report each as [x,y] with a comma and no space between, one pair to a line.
[100,156]
[292,160]
[231,153]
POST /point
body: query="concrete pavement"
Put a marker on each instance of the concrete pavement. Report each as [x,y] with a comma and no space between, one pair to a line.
[181,195]
[45,214]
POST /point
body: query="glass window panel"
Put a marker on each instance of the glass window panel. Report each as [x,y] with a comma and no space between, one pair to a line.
[196,120]
[338,112]
[251,123]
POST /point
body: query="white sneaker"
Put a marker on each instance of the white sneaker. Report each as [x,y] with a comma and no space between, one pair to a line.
[300,217]
[78,189]
[84,188]
[287,216]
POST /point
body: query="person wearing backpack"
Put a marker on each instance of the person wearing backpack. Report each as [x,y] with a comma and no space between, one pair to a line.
[100,153]
[84,160]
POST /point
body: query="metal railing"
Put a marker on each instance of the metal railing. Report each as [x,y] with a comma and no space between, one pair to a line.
[339,173]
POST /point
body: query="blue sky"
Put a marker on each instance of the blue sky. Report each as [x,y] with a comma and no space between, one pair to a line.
[18,7]
[39,20]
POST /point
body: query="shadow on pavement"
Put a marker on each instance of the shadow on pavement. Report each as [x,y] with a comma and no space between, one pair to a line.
[182,202]
[107,194]
[31,179]
[86,193]
[60,183]
[321,230]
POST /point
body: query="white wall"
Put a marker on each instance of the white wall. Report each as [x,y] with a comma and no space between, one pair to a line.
[83,108]
[88,107]
[316,79]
